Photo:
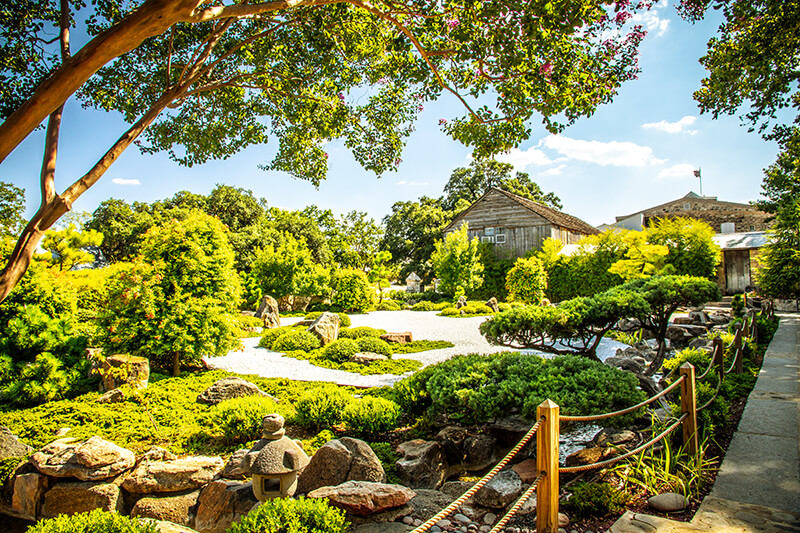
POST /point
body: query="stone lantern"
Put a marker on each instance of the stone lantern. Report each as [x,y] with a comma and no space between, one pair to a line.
[274,461]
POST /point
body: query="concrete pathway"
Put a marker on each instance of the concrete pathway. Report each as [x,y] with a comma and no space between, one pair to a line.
[758,485]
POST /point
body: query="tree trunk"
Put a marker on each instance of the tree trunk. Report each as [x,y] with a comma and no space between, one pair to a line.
[176,364]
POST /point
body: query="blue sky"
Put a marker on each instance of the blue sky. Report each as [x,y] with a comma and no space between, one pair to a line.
[637,152]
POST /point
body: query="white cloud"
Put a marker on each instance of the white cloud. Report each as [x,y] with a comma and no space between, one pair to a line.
[124,181]
[682,170]
[651,21]
[521,159]
[674,127]
[413,183]
[614,153]
[557,171]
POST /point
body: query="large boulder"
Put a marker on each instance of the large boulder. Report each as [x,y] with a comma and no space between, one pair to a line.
[120,369]
[466,450]
[29,489]
[363,497]
[177,508]
[326,327]
[230,387]
[221,503]
[492,304]
[10,445]
[268,312]
[400,338]
[173,476]
[636,365]
[338,461]
[93,460]
[71,497]
[422,465]
[500,491]
[234,469]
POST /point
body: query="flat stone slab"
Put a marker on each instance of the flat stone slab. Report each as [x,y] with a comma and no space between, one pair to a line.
[769,417]
[760,470]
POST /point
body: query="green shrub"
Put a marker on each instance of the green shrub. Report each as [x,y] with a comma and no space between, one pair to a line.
[246,321]
[287,515]
[8,466]
[296,340]
[269,336]
[344,320]
[479,387]
[526,281]
[388,457]
[310,446]
[362,331]
[477,309]
[450,311]
[352,291]
[737,306]
[92,522]
[766,329]
[340,350]
[370,416]
[240,419]
[595,500]
[389,305]
[374,345]
[322,407]
[504,306]
[423,306]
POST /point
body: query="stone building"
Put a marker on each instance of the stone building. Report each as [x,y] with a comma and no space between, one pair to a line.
[724,217]
[514,224]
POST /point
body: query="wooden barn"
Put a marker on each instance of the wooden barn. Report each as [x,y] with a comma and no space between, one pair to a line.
[515,224]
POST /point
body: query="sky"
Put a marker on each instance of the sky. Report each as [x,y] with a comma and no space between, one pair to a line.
[637,152]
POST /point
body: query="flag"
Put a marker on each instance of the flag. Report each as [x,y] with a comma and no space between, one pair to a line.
[697,173]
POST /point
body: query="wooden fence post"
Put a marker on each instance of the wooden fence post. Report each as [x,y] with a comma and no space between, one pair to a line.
[754,326]
[719,357]
[547,463]
[689,406]
[738,363]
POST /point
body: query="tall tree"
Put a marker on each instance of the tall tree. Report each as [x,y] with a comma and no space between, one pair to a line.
[471,183]
[12,206]
[456,261]
[237,74]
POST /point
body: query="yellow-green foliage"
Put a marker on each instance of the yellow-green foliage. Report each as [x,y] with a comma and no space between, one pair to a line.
[286,515]
[92,522]
[240,419]
[370,416]
[322,407]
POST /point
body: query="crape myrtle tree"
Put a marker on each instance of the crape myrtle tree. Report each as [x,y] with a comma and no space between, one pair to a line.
[202,80]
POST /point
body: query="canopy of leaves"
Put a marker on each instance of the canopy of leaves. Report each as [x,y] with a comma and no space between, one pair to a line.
[526,281]
[12,206]
[691,249]
[779,271]
[66,247]
[456,261]
[289,269]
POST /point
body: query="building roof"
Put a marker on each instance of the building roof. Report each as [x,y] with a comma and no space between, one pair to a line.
[689,196]
[741,241]
[555,216]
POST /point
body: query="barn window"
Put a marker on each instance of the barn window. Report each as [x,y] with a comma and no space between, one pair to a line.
[488,231]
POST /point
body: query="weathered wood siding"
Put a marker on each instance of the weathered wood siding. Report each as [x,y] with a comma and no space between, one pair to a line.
[523,229]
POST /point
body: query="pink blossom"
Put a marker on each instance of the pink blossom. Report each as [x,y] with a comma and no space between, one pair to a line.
[452,23]
[420,107]
[442,121]
[546,70]
[621,17]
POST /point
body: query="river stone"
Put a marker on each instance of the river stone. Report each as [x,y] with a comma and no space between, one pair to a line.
[221,503]
[338,461]
[500,491]
[10,446]
[175,508]
[112,396]
[230,387]
[78,497]
[92,460]
[668,502]
[173,476]
[363,497]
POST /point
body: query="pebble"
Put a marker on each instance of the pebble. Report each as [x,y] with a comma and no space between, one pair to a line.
[461,518]
[436,529]
[407,520]
[444,524]
[489,518]
[668,502]
[484,529]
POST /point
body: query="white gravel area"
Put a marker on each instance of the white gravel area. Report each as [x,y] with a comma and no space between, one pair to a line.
[423,325]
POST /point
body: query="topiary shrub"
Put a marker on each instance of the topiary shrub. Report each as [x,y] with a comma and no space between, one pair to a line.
[527,280]
[370,416]
[450,311]
[389,305]
[595,500]
[310,446]
[322,407]
[340,350]
[423,306]
[296,340]
[374,345]
[92,522]
[352,291]
[477,309]
[240,418]
[344,320]
[269,336]
[287,515]
[362,331]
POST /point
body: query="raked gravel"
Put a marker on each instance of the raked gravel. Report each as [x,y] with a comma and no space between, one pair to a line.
[423,325]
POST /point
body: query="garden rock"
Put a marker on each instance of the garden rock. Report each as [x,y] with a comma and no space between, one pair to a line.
[585,456]
[614,437]
[526,470]
[175,508]
[221,503]
[422,465]
[400,338]
[112,396]
[10,445]
[76,497]
[464,450]
[500,491]
[381,527]
[92,460]
[363,497]
[326,327]
[162,526]
[455,489]
[631,364]
[156,453]
[268,312]
[509,431]
[492,304]
[234,469]
[365,358]
[338,461]
[462,302]
[428,502]
[230,387]
[29,489]
[173,476]
[135,371]
[668,502]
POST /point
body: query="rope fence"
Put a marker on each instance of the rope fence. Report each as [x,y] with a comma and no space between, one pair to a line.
[547,431]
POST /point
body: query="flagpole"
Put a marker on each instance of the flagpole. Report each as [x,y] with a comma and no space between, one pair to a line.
[699,175]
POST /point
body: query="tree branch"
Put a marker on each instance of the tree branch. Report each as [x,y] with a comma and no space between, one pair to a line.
[208,14]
